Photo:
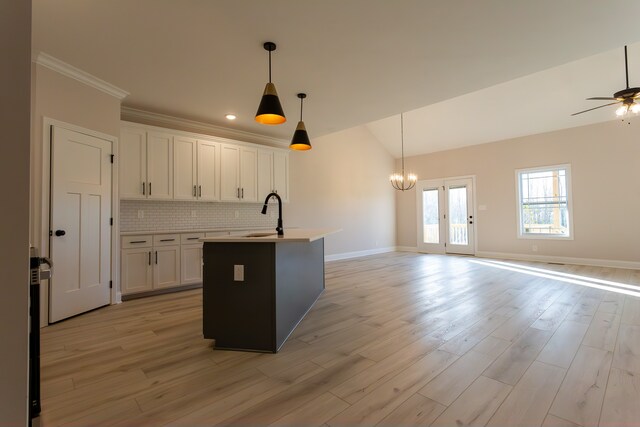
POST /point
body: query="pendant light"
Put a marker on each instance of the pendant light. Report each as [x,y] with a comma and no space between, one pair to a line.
[300,140]
[270,111]
[401,181]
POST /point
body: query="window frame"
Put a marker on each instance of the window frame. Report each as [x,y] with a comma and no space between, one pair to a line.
[542,236]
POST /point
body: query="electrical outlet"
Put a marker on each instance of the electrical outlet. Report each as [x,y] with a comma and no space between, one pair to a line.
[236,214]
[140,214]
[238,273]
[193,214]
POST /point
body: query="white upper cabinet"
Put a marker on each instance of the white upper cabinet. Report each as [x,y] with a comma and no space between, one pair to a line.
[145,165]
[238,173]
[273,174]
[248,174]
[229,173]
[195,169]
[184,168]
[132,163]
[208,170]
[155,164]
[159,166]
[265,173]
[281,174]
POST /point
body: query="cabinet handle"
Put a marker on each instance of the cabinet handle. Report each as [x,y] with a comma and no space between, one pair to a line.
[149,257]
[242,194]
[167,240]
[138,241]
[156,257]
[149,188]
[238,193]
[144,193]
[199,190]
[193,238]
[194,191]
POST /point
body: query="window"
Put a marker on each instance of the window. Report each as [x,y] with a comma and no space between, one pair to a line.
[544,202]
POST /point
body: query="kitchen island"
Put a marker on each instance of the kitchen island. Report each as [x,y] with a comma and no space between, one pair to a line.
[258,287]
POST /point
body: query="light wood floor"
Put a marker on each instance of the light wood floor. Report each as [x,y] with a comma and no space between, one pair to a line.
[396,339]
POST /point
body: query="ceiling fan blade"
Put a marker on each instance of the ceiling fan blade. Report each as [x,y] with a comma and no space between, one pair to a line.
[603,98]
[591,109]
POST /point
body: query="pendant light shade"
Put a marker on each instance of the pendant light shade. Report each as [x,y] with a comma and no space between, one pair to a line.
[400,181]
[300,140]
[270,111]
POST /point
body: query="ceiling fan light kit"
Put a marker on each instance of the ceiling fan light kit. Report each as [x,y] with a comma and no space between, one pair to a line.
[270,111]
[627,97]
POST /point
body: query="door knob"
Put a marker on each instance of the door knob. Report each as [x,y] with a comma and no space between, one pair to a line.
[60,233]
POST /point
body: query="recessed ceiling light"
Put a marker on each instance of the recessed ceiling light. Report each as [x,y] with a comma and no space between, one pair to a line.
[230,116]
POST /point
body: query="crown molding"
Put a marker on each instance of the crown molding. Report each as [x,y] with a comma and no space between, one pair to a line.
[68,70]
[146,117]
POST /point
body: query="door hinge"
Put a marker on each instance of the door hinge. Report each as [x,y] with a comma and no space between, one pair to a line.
[445,245]
[112,156]
[110,221]
[50,233]
[110,284]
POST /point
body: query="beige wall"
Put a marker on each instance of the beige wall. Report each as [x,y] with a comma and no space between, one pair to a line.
[605,165]
[15,45]
[64,99]
[343,183]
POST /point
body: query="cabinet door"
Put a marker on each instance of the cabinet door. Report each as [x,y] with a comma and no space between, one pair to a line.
[132,163]
[184,168]
[191,264]
[248,174]
[281,174]
[166,266]
[265,173]
[208,171]
[159,166]
[229,172]
[136,270]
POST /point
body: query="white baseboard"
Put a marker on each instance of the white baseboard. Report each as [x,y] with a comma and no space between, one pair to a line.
[562,260]
[356,254]
[406,249]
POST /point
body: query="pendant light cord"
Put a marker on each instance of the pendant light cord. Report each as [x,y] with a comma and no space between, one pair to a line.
[269,66]
[301,101]
[402,141]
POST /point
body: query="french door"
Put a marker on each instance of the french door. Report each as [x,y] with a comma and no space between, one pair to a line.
[446,216]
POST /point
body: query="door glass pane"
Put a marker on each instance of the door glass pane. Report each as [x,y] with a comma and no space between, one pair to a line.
[430,217]
[458,228]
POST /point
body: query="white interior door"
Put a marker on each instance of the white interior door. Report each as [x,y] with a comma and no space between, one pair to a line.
[80,243]
[445,216]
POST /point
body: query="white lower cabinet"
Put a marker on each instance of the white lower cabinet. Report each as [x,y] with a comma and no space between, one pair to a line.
[149,263]
[136,270]
[191,258]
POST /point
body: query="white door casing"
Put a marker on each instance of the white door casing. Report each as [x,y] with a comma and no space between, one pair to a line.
[80,245]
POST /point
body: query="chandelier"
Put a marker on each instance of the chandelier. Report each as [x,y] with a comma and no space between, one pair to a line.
[400,181]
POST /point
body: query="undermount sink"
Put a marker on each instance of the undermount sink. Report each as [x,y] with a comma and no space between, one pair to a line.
[259,234]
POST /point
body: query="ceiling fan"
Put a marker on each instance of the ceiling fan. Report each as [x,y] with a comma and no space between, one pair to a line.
[627,97]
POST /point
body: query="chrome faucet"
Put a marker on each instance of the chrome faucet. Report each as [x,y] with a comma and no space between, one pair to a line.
[279,228]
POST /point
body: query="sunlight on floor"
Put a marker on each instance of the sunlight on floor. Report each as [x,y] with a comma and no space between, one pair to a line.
[592,282]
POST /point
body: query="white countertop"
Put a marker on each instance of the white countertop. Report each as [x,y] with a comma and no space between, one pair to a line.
[290,235]
[194,230]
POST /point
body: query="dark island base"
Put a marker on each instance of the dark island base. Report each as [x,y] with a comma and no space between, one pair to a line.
[281,283]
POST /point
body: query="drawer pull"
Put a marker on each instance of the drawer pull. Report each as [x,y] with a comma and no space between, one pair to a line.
[193,238]
[138,241]
[167,240]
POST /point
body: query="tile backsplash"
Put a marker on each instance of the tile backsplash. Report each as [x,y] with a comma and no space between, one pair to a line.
[185,215]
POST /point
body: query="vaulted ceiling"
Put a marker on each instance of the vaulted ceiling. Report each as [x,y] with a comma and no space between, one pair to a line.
[466,71]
